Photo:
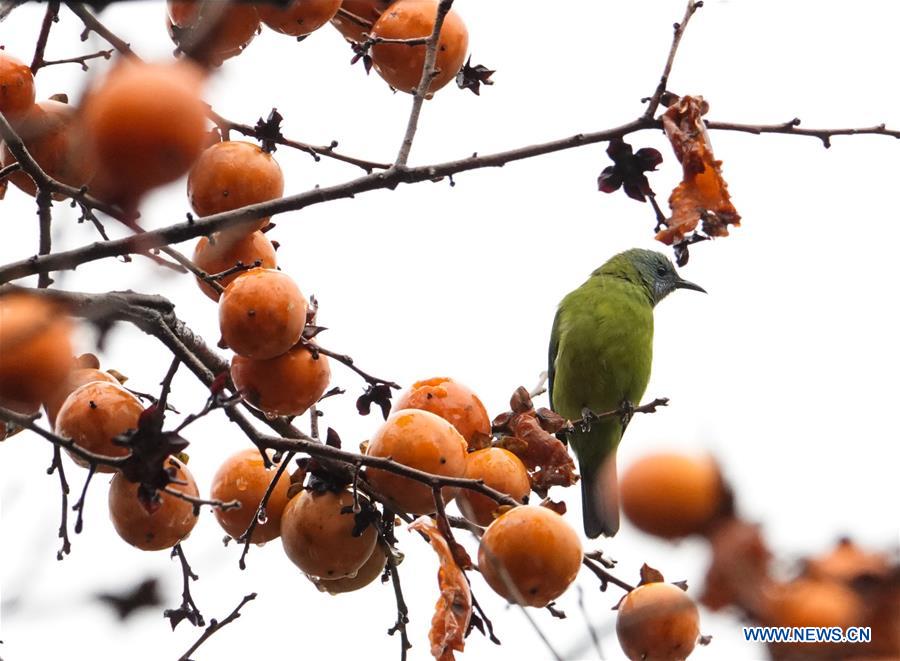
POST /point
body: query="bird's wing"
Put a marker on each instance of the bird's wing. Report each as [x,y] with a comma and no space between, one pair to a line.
[551,358]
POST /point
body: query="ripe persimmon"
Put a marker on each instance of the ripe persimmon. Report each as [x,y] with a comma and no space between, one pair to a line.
[532,549]
[35,347]
[847,562]
[658,621]
[808,602]
[222,253]
[299,18]
[16,86]
[146,125]
[421,440]
[500,469]
[76,378]
[212,32]
[95,414]
[367,11]
[161,525]
[672,495]
[401,65]
[284,385]
[262,314]
[230,175]
[317,534]
[452,401]
[52,134]
[371,570]
[244,477]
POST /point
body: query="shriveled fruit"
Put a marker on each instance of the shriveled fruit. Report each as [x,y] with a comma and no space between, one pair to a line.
[371,570]
[94,414]
[16,86]
[401,65]
[284,385]
[317,534]
[212,32]
[301,17]
[244,478]
[422,440]
[145,124]
[367,11]
[533,550]
[35,347]
[262,314]
[452,401]
[76,379]
[658,621]
[230,175]
[500,469]
[222,253]
[808,602]
[153,526]
[52,134]
[672,495]
[847,562]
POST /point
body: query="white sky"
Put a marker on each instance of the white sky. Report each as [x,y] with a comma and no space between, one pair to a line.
[786,371]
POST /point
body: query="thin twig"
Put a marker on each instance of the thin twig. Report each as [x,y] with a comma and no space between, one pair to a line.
[50,17]
[692,6]
[792,128]
[260,513]
[64,493]
[215,625]
[428,73]
[81,59]
[188,609]
[402,609]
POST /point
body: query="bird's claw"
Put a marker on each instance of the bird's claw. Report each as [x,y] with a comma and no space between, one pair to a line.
[626,412]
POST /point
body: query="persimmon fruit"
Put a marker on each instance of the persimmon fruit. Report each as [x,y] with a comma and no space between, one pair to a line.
[299,18]
[212,32]
[401,65]
[35,347]
[317,535]
[230,175]
[452,401]
[262,313]
[16,86]
[145,124]
[367,10]
[76,378]
[368,573]
[658,621]
[94,414]
[221,253]
[163,524]
[284,385]
[532,549]
[847,562]
[498,468]
[672,495]
[244,477]
[51,132]
[421,440]
[808,602]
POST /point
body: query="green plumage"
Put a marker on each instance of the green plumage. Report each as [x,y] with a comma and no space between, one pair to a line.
[601,350]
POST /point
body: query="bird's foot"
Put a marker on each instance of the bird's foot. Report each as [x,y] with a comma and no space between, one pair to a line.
[626,412]
[587,418]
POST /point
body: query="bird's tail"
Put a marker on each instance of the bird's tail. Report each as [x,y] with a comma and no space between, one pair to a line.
[600,498]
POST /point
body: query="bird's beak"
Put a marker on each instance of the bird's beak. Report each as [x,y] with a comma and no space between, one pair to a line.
[687,284]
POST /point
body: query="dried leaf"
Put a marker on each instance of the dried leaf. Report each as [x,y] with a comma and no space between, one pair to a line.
[650,575]
[473,77]
[739,571]
[545,456]
[703,194]
[454,607]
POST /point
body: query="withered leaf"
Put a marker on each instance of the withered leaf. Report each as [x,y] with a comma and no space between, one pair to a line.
[702,194]
[453,609]
[473,77]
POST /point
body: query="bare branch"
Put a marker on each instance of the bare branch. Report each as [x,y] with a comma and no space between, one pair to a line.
[215,625]
[692,6]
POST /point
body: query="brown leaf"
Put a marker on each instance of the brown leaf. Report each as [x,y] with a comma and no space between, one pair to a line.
[557,506]
[702,193]
[739,570]
[453,609]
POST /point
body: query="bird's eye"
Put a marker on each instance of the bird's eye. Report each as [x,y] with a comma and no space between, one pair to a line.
[661,270]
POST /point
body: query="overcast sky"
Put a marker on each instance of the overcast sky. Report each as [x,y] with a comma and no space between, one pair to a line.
[786,371]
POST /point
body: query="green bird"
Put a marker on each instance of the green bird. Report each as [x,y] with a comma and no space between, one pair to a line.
[601,349]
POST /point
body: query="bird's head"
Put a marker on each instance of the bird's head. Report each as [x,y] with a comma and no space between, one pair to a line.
[657,273]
